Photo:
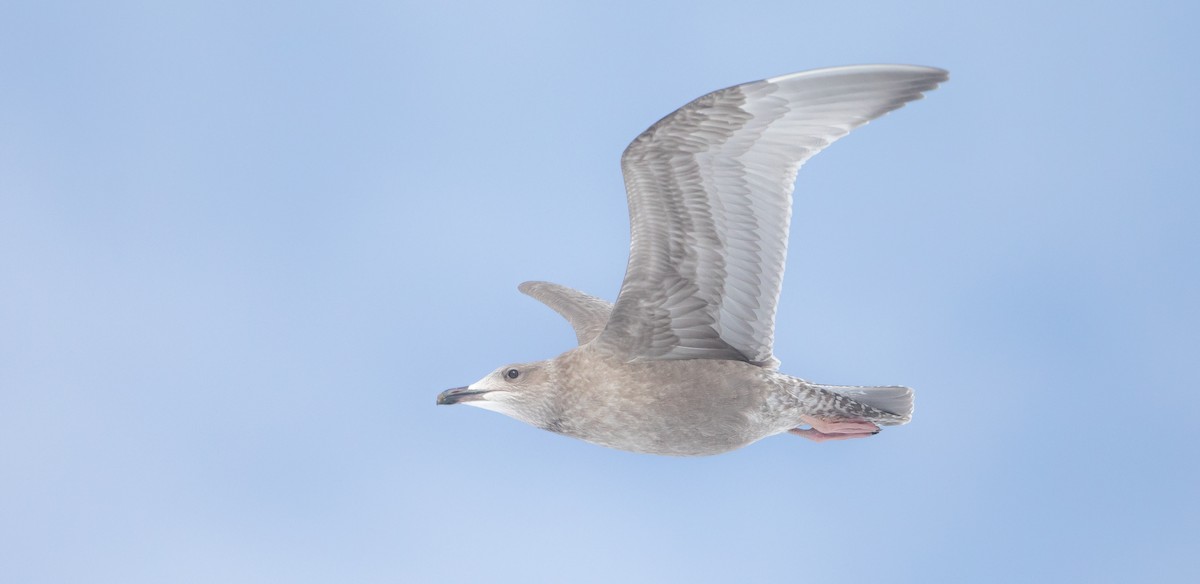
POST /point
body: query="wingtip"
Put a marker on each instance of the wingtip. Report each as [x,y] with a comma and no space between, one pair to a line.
[938,74]
[531,287]
[941,75]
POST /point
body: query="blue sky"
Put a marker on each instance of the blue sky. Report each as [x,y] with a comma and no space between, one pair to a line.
[244,245]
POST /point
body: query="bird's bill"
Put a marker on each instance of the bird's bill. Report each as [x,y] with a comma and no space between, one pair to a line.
[459,394]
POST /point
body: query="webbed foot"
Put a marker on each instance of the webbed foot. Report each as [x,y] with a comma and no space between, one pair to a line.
[823,430]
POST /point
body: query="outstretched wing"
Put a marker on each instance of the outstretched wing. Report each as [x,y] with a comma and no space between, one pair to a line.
[710,191]
[587,314]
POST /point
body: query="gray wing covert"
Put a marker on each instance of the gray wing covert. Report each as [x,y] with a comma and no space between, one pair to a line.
[710,192]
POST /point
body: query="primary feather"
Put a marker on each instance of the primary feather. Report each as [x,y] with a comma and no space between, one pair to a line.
[710,193]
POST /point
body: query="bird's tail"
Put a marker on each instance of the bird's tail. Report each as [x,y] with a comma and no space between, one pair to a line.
[892,399]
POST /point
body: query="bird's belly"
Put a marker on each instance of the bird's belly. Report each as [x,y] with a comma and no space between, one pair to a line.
[680,421]
[674,444]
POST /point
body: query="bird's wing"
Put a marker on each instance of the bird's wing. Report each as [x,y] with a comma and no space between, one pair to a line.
[587,314]
[710,191]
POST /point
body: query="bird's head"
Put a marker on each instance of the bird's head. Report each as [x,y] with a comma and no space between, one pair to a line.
[523,391]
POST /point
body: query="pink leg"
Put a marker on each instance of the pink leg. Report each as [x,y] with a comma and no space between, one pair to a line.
[823,430]
[840,426]
[816,436]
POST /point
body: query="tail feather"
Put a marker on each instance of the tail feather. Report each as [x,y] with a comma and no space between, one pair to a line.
[892,399]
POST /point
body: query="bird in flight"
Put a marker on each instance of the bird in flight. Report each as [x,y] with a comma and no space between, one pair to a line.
[682,364]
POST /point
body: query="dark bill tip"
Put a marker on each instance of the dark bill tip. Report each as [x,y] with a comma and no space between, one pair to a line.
[458,394]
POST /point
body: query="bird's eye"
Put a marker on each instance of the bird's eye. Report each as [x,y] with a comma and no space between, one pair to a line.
[512,374]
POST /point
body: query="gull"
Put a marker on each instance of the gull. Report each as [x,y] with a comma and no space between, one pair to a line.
[683,363]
